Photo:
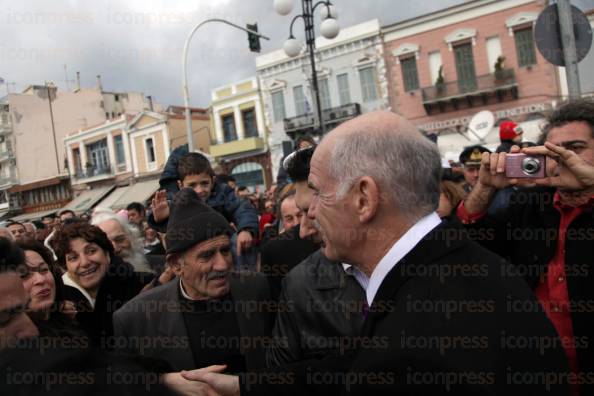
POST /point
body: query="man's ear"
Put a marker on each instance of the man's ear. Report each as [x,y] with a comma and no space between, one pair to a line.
[179,184]
[174,261]
[366,197]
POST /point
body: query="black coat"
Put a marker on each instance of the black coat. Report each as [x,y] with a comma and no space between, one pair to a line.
[439,324]
[526,234]
[324,306]
[281,254]
[157,315]
[119,285]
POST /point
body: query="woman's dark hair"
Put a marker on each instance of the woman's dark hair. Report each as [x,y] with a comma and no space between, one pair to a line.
[89,233]
[37,247]
[193,164]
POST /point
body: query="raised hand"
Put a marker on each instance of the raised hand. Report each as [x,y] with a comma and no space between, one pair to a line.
[160,206]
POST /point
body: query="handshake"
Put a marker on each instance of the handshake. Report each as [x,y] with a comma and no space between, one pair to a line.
[206,381]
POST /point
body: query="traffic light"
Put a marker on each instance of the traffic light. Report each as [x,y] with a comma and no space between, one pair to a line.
[253,39]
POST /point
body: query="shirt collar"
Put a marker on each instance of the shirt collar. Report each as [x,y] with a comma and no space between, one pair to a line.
[183,291]
[401,248]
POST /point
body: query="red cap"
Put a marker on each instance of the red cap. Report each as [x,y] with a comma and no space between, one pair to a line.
[508,130]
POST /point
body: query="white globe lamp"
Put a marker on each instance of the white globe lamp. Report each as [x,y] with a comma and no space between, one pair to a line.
[283,7]
[292,47]
[330,28]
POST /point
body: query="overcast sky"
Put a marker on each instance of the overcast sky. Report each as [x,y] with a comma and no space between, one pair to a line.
[136,45]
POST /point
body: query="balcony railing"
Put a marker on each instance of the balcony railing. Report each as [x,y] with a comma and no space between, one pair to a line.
[93,171]
[331,117]
[484,86]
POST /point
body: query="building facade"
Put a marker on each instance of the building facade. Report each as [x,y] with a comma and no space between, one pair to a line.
[587,64]
[127,149]
[239,133]
[447,66]
[8,170]
[42,116]
[351,77]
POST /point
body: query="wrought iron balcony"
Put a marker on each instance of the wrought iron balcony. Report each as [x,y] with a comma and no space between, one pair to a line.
[93,171]
[331,117]
[501,85]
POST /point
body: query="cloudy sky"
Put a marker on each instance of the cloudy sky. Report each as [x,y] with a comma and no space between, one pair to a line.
[136,45]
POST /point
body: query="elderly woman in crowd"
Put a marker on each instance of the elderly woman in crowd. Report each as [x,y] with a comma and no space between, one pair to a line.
[42,281]
[96,279]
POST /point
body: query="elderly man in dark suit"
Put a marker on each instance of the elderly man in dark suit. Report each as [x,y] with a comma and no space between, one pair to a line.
[441,316]
[207,315]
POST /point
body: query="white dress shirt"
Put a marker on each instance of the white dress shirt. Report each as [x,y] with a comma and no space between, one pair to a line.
[400,249]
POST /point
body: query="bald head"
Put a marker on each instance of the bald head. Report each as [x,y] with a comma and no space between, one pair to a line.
[391,150]
[372,124]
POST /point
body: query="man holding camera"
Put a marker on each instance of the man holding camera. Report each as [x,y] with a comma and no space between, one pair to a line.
[548,231]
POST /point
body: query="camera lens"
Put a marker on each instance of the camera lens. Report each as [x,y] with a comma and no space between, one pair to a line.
[530,165]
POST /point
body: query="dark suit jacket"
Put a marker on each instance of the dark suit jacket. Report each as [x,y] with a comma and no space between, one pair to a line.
[153,325]
[443,322]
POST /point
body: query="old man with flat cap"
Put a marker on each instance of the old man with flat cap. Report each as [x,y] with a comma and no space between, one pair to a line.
[207,315]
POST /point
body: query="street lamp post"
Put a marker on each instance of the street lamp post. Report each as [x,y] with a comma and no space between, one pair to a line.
[186,93]
[292,46]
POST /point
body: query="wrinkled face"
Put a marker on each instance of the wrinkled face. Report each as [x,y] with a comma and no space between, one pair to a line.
[118,237]
[18,231]
[445,206]
[575,136]
[14,322]
[201,183]
[303,197]
[87,264]
[334,216]
[135,217]
[205,268]
[38,282]
[471,174]
[290,213]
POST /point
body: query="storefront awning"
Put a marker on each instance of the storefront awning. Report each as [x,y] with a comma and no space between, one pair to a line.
[32,216]
[87,199]
[122,196]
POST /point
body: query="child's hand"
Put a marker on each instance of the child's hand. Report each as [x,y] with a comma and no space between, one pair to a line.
[244,241]
[160,206]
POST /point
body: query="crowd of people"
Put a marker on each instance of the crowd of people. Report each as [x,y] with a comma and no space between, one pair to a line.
[369,267]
